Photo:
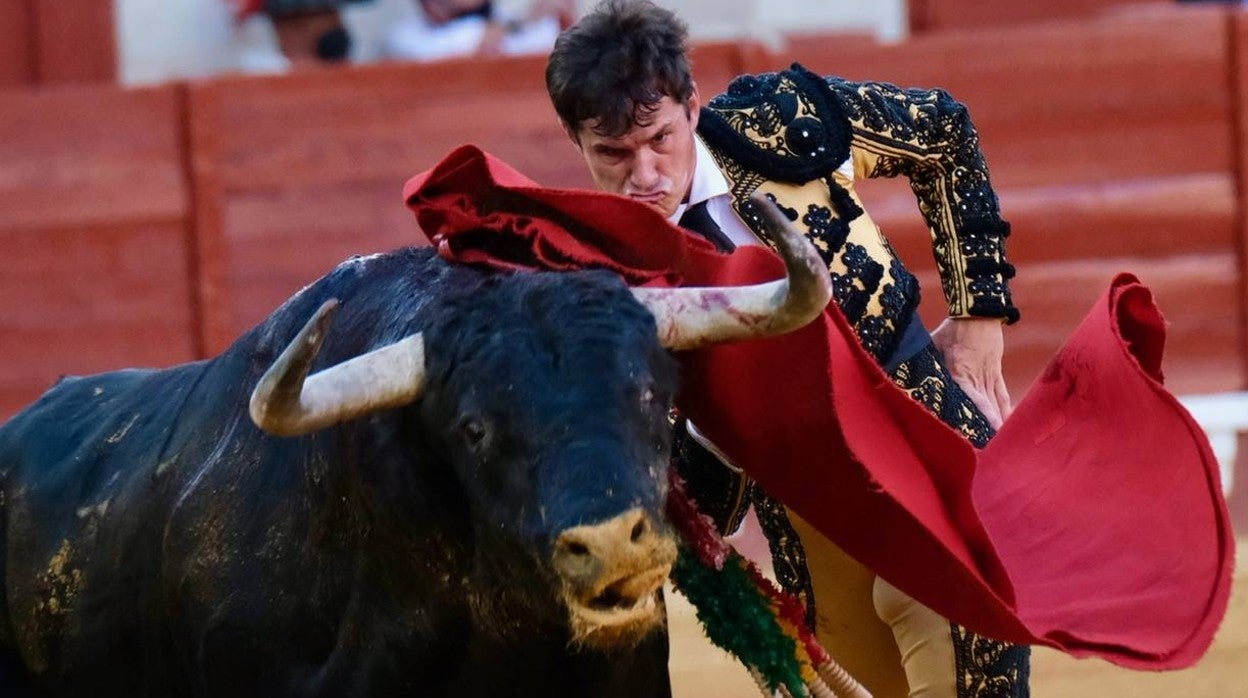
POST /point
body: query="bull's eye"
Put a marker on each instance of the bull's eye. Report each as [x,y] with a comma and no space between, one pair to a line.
[474,432]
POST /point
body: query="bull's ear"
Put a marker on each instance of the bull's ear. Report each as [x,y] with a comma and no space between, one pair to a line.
[288,402]
[689,318]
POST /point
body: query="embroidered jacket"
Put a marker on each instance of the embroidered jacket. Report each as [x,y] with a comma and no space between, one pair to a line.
[785,134]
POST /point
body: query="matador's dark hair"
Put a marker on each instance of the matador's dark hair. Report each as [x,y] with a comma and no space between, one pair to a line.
[615,65]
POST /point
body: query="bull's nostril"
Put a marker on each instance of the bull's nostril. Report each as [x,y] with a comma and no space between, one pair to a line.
[639,530]
[575,548]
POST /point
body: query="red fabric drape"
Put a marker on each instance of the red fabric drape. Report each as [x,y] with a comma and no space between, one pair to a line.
[1093,522]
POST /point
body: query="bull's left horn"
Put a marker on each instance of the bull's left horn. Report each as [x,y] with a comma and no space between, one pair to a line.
[288,402]
[689,318]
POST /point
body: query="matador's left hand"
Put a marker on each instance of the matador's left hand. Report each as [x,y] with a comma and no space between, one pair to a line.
[972,348]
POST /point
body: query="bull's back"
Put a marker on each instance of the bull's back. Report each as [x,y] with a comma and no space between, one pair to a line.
[72,466]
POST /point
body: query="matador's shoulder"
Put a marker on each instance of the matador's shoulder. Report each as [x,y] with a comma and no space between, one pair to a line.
[787,126]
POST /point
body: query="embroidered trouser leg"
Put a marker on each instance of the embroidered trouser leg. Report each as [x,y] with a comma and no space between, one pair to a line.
[894,645]
[929,645]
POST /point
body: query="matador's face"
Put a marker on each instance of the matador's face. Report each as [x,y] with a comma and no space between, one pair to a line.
[653,162]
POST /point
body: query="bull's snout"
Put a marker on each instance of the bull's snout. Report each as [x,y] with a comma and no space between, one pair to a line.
[612,575]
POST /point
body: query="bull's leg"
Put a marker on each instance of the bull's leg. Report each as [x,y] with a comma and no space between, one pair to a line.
[378,668]
[14,680]
[549,666]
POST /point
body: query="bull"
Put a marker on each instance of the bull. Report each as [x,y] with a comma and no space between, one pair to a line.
[456,488]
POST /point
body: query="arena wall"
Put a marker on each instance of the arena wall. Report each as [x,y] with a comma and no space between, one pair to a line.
[152,226]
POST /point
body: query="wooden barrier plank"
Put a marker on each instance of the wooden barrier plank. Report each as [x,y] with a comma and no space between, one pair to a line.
[1239,57]
[93,218]
[383,123]
[278,244]
[293,174]
[78,155]
[1150,218]
[74,41]
[715,64]
[1197,294]
[961,15]
[212,300]
[16,66]
[90,299]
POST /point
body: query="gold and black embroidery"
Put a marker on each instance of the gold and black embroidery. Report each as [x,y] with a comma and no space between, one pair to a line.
[878,301]
[928,136]
[794,127]
[987,668]
[926,379]
[788,555]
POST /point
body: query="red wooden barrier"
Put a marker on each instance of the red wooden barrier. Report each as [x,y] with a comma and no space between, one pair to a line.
[293,174]
[1240,148]
[960,15]
[16,60]
[45,42]
[93,215]
[73,41]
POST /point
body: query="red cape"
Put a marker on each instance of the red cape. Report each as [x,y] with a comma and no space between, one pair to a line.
[1093,523]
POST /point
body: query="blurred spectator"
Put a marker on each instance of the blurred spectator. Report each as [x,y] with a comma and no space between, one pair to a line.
[305,32]
[450,28]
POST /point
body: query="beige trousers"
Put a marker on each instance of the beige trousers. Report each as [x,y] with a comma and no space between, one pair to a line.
[895,646]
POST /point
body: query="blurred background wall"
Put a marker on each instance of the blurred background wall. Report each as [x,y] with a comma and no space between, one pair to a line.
[161,199]
[160,40]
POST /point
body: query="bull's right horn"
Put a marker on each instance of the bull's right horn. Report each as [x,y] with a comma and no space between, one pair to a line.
[689,318]
[287,402]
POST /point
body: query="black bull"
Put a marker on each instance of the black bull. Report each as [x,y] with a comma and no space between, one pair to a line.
[500,535]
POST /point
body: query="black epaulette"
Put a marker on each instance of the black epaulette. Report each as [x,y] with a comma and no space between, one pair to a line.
[785,126]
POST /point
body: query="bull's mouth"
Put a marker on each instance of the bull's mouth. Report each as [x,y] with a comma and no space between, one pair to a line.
[613,573]
[622,614]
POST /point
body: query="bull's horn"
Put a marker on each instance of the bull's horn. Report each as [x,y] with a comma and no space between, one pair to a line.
[689,318]
[288,402]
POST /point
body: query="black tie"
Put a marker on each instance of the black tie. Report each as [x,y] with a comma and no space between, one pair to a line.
[697,219]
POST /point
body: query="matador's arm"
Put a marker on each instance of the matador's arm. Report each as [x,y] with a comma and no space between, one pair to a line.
[928,136]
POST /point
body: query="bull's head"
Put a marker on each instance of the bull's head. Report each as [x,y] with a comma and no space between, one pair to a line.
[564,409]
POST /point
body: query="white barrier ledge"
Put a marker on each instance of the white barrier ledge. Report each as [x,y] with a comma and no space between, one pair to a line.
[1223,416]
